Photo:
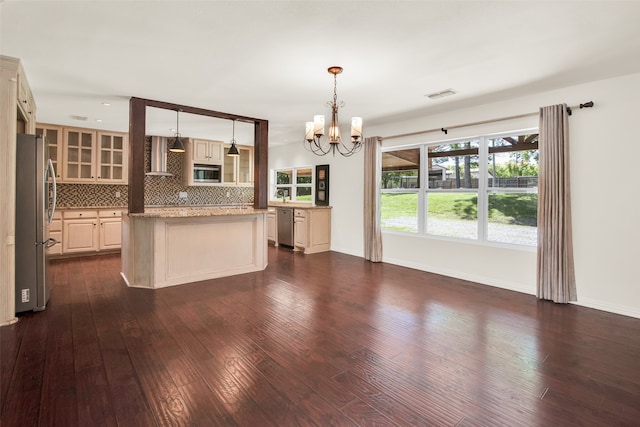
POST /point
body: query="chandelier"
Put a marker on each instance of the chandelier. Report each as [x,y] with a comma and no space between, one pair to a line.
[314,131]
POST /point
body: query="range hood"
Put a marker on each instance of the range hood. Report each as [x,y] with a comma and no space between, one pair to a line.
[158,157]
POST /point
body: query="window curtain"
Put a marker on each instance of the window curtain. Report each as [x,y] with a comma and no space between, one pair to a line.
[372,177]
[555,268]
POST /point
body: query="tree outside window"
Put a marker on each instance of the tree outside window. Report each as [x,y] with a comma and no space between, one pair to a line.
[493,200]
[293,184]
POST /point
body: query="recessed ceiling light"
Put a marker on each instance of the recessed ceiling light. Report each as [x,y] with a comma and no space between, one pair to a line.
[172,129]
[106,104]
[441,94]
[99,120]
[82,118]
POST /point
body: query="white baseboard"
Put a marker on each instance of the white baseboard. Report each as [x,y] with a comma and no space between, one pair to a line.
[611,308]
[489,281]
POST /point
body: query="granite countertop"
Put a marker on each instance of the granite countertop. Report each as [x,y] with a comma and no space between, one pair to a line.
[191,211]
[78,208]
[297,205]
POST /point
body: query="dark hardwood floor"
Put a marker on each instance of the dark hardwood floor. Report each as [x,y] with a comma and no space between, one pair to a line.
[315,340]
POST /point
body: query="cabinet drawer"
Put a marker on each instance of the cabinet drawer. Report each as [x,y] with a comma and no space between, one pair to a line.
[115,213]
[79,214]
[300,213]
[56,225]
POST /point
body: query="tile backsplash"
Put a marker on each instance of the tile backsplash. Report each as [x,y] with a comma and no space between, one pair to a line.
[158,190]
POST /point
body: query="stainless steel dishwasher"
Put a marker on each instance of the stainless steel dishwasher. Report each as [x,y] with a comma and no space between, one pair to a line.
[285,226]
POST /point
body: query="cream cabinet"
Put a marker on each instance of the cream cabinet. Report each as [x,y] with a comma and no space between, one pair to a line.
[272,226]
[79,231]
[312,229]
[238,170]
[54,231]
[206,152]
[111,158]
[110,229]
[90,156]
[78,155]
[207,155]
[53,138]
[26,103]
[90,230]
[300,228]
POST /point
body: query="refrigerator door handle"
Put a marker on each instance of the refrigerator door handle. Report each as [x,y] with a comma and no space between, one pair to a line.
[49,242]
[52,208]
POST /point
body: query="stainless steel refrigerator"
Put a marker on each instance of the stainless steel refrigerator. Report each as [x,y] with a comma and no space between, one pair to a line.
[35,206]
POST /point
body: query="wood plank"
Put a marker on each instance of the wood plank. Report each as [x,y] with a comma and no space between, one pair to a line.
[22,405]
[326,340]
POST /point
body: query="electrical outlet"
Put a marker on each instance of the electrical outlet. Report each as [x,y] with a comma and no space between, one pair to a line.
[182,195]
[117,194]
[26,295]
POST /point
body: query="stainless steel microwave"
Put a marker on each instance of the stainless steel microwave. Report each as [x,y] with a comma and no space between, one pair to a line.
[207,173]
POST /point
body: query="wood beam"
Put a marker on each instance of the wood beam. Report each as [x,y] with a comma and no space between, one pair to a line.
[261,164]
[137,129]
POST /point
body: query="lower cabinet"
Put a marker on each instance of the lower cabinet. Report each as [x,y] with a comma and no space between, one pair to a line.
[300,228]
[80,231]
[91,230]
[54,231]
[312,229]
[110,230]
[272,226]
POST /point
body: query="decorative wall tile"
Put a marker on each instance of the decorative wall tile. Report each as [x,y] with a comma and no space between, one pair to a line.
[158,190]
[90,195]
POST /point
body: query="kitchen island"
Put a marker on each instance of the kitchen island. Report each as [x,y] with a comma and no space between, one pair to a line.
[173,246]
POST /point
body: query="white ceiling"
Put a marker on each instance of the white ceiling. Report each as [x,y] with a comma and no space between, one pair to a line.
[268,59]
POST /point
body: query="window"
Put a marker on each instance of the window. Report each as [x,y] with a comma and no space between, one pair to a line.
[400,188]
[452,193]
[512,189]
[293,184]
[462,195]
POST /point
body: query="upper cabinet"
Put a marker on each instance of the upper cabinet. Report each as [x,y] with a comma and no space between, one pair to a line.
[111,157]
[206,152]
[53,139]
[26,102]
[78,155]
[86,156]
[239,170]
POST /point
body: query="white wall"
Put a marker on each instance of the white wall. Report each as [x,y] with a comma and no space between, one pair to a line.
[604,156]
[346,180]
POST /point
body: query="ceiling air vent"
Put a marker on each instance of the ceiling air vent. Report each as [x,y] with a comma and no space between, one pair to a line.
[441,94]
[81,118]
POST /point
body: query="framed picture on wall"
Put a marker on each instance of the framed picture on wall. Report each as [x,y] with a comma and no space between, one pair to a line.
[322,185]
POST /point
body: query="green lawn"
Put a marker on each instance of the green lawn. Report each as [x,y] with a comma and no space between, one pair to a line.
[503,208]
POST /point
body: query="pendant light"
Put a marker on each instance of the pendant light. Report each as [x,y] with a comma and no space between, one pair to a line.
[177,146]
[233,150]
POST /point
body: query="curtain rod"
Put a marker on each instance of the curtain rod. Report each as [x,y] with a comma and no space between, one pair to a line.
[588,104]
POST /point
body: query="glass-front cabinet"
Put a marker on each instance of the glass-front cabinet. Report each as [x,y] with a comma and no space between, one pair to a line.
[239,170]
[79,146]
[86,155]
[111,157]
[53,139]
